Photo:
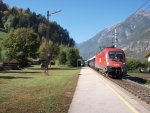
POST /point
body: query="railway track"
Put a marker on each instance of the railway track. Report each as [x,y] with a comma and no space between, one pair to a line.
[136,89]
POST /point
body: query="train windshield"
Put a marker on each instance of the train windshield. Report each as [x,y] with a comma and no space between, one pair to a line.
[116,55]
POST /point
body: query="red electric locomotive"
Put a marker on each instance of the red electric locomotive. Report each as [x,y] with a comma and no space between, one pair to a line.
[110,61]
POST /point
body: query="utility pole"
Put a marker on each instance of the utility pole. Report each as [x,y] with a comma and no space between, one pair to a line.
[47,40]
[1,2]
[115,39]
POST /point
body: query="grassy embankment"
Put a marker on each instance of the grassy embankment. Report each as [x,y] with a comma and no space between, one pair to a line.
[30,90]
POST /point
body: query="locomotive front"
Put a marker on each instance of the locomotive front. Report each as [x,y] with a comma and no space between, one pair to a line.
[116,63]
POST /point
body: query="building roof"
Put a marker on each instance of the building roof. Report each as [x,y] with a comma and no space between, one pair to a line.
[11,61]
[147,55]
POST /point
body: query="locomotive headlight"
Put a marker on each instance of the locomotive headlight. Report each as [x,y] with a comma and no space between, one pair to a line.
[107,63]
[124,63]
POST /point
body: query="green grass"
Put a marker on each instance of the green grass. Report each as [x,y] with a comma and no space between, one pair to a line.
[30,90]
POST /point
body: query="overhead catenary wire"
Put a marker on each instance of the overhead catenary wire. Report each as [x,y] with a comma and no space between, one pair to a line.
[145,5]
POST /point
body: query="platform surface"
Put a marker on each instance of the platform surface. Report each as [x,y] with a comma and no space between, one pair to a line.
[96,94]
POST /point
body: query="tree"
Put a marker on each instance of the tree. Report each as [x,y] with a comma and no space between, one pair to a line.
[51,50]
[10,23]
[1,1]
[15,11]
[23,21]
[0,53]
[3,6]
[71,42]
[72,56]
[60,35]
[62,58]
[42,29]
[21,44]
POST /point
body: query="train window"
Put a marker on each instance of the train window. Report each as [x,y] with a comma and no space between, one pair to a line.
[119,55]
[116,55]
[111,55]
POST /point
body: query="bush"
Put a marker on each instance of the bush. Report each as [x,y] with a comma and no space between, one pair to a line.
[133,64]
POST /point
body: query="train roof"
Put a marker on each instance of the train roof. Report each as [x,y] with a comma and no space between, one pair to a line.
[91,58]
[112,49]
[106,50]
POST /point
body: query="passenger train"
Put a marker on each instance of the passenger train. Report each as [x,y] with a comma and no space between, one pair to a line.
[110,61]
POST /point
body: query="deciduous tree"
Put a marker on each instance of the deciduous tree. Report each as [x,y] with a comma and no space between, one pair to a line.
[50,49]
[21,44]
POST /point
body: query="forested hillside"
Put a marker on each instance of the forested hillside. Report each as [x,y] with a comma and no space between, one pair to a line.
[13,18]
[23,36]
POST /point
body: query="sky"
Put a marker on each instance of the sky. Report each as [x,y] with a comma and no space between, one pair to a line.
[82,18]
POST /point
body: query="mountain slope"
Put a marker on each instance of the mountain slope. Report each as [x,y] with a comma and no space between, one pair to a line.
[133,36]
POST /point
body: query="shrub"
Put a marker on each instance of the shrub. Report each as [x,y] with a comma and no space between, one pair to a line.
[133,64]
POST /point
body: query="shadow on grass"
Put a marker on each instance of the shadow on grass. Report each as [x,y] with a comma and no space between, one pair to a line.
[11,77]
[19,72]
[63,68]
[54,68]
[136,79]
[35,68]
[51,68]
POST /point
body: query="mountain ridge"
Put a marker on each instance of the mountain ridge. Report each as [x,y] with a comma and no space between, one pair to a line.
[132,33]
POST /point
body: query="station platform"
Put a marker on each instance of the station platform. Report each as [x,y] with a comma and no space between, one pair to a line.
[96,94]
